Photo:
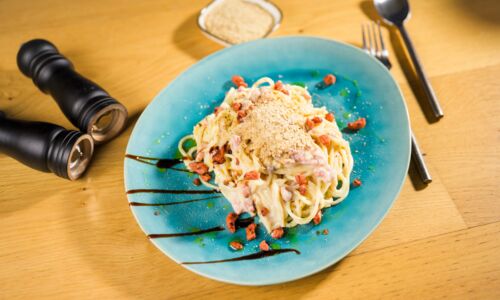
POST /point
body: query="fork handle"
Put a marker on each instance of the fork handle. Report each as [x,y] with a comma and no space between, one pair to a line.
[431,96]
[419,162]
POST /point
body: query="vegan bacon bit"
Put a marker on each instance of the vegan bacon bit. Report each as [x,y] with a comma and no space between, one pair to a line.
[264,211]
[198,167]
[300,179]
[324,140]
[235,245]
[218,155]
[317,120]
[326,231]
[236,106]
[329,79]
[357,125]
[231,222]
[241,115]
[279,87]
[197,181]
[356,182]
[302,182]
[250,231]
[206,177]
[329,117]
[309,124]
[252,175]
[302,189]
[238,81]
[317,218]
[264,246]
[277,233]
[217,109]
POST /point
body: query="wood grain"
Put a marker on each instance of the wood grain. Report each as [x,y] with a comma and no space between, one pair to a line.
[78,240]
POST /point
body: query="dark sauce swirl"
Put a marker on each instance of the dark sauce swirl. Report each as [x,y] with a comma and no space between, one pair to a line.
[162,191]
[161,163]
[172,203]
[197,232]
[258,255]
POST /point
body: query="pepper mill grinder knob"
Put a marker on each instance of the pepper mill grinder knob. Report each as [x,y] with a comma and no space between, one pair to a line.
[88,106]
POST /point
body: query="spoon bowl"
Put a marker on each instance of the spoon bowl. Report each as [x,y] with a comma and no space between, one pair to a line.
[394,12]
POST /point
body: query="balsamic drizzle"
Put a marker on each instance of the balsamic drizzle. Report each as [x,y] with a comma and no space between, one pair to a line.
[168,235]
[258,255]
[171,203]
[164,163]
[244,222]
[161,163]
[161,191]
[167,163]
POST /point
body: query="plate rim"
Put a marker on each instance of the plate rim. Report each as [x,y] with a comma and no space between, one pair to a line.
[346,252]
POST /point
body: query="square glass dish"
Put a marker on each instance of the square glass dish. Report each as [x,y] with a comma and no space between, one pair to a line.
[267,6]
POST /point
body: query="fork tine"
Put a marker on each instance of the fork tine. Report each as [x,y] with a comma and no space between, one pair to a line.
[370,39]
[375,40]
[365,47]
[382,46]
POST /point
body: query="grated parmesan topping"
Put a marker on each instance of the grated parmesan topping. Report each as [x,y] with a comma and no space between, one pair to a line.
[237,21]
[273,132]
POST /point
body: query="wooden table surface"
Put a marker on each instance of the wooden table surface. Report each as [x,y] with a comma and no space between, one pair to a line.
[62,239]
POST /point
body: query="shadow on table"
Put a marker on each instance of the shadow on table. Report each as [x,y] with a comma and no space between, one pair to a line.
[403,60]
[415,179]
[120,255]
[188,38]
[483,10]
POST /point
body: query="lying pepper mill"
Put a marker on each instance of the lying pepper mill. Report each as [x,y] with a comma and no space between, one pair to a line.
[46,147]
[88,106]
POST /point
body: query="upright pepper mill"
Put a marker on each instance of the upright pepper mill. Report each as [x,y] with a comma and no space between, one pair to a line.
[46,147]
[88,106]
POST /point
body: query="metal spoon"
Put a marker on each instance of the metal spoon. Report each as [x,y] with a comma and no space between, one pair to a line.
[396,12]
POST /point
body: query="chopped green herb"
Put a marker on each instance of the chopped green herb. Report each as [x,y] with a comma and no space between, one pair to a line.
[210,204]
[344,92]
[314,73]
[340,124]
[177,154]
[275,246]
[194,229]
[346,115]
[199,241]
[301,84]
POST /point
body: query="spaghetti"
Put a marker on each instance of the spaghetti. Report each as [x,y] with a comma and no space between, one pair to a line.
[273,154]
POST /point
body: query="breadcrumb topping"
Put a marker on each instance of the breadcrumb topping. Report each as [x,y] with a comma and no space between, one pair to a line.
[273,132]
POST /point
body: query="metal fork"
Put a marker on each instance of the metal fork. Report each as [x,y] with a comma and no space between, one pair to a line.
[375,45]
[376,48]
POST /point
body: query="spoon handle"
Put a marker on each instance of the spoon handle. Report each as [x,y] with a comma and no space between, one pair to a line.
[431,96]
[419,162]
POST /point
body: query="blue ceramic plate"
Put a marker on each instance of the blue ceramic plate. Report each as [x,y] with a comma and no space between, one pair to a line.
[188,226]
